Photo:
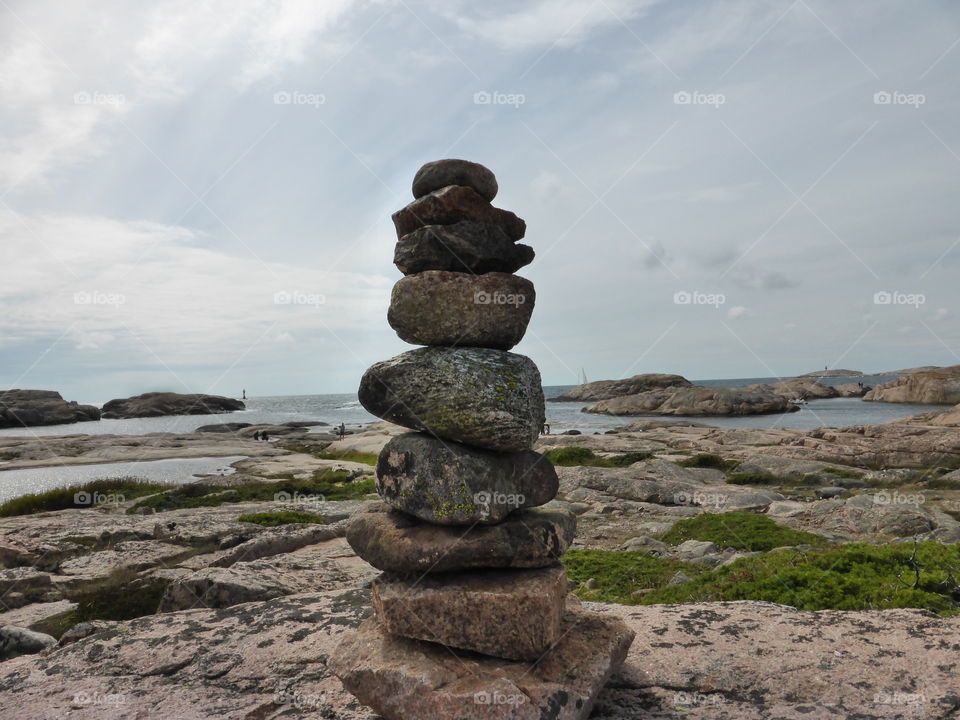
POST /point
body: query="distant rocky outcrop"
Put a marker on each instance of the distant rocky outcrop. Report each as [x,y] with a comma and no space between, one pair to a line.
[24,408]
[800,388]
[940,386]
[157,404]
[605,389]
[848,390]
[695,400]
[832,373]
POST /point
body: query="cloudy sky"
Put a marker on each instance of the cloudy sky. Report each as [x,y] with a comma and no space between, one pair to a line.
[718,189]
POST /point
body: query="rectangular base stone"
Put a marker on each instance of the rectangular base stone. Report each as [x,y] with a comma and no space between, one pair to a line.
[402,679]
[513,614]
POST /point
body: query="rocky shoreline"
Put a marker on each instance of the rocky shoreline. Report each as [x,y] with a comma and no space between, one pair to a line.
[223,585]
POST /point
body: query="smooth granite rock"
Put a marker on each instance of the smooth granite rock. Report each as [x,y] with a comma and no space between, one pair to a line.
[485,398]
[465,246]
[449,483]
[441,173]
[452,204]
[396,542]
[512,614]
[403,679]
[457,309]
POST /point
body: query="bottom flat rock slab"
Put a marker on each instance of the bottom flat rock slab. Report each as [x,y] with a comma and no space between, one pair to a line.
[406,679]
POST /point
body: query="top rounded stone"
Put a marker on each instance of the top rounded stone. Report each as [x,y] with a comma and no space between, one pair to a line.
[441,173]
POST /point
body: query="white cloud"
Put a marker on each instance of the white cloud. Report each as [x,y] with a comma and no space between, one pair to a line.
[738,311]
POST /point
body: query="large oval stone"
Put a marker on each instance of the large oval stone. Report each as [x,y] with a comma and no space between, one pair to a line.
[452,484]
[452,204]
[466,246]
[396,542]
[441,173]
[459,309]
[485,398]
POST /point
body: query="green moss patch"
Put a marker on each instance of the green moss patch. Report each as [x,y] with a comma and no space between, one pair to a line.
[285,517]
[738,530]
[585,457]
[755,478]
[324,485]
[709,460]
[619,574]
[82,495]
[851,577]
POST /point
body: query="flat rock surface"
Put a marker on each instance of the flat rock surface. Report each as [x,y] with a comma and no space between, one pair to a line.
[457,309]
[396,542]
[514,614]
[707,661]
[403,678]
[452,484]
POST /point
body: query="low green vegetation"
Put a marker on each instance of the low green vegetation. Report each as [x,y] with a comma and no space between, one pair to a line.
[283,517]
[324,485]
[849,577]
[754,478]
[619,574]
[844,473]
[709,460]
[82,495]
[738,530]
[348,456]
[585,457]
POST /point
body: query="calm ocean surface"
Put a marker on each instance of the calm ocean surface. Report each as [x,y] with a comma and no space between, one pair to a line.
[345,408]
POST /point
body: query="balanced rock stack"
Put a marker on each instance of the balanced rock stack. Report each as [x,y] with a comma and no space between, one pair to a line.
[472,615]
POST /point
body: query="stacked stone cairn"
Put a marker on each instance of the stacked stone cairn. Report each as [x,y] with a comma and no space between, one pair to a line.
[472,614]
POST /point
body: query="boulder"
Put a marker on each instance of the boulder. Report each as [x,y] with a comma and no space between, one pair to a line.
[465,246]
[754,400]
[396,542]
[157,404]
[441,173]
[456,309]
[16,641]
[513,614]
[604,389]
[402,679]
[26,408]
[452,484]
[851,390]
[452,204]
[940,386]
[486,398]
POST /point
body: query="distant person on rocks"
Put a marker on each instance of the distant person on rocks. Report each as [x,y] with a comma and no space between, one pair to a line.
[256,435]
[341,431]
[264,436]
[546,428]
